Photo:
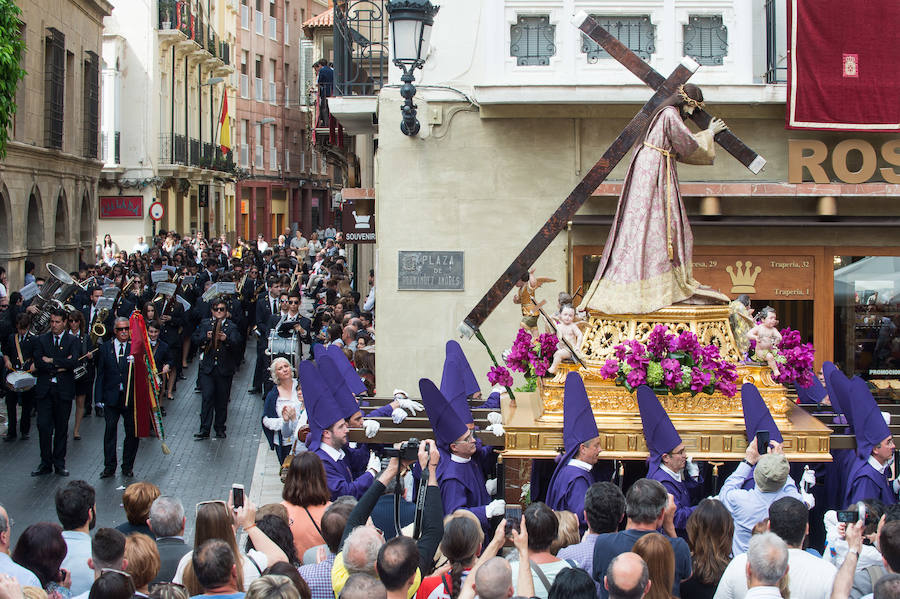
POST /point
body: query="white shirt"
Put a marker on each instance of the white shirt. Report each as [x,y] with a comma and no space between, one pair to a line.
[251,572]
[579,464]
[810,577]
[676,475]
[335,454]
[877,465]
[459,459]
[764,593]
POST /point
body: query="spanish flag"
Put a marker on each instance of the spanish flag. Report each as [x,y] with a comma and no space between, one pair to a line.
[225,124]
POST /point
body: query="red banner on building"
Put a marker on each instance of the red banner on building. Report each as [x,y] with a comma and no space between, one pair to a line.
[121,207]
[843,65]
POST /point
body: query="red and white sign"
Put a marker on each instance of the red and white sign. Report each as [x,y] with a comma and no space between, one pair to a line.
[121,206]
[156,211]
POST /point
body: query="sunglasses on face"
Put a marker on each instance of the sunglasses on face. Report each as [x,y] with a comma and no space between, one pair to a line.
[218,309]
[121,329]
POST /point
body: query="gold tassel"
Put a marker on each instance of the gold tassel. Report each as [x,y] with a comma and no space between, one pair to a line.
[165,448]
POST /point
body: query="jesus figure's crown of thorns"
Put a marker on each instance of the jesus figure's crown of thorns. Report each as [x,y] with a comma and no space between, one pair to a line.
[689,100]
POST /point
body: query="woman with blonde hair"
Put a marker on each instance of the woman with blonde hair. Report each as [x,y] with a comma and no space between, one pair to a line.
[214,521]
[272,586]
[660,558]
[568,533]
[142,559]
[283,412]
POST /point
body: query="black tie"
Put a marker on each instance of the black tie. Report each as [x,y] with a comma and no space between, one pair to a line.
[122,360]
[58,341]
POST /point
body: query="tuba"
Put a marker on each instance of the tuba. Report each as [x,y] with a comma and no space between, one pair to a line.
[48,300]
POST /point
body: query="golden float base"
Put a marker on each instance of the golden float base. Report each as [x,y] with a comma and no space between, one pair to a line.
[706,437]
[711,426]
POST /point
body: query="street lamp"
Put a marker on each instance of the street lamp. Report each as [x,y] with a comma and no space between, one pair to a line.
[411,22]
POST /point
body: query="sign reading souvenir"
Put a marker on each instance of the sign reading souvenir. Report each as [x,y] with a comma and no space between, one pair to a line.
[430,271]
[766,277]
[156,211]
[358,226]
[121,207]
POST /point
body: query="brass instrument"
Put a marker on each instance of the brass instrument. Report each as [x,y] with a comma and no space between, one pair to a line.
[240,288]
[220,323]
[45,301]
[98,329]
[122,291]
[169,304]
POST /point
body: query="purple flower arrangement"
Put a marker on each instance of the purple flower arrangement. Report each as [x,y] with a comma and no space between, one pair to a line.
[798,360]
[529,355]
[671,364]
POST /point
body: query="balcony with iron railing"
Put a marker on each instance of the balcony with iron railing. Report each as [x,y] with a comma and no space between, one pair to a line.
[105,137]
[181,150]
[360,37]
[184,17]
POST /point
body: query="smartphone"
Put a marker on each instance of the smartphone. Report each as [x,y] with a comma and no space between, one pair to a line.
[762,442]
[237,495]
[513,519]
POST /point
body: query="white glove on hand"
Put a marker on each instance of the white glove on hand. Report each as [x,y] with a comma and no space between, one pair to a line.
[410,405]
[496,429]
[374,462]
[398,415]
[495,508]
[400,394]
[808,499]
[808,479]
[302,418]
[494,417]
[490,486]
[371,427]
[498,389]
[693,470]
[897,486]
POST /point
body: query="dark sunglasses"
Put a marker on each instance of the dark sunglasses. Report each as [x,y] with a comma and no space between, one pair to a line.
[218,309]
[122,328]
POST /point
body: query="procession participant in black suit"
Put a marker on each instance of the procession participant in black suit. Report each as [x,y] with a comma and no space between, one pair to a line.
[162,356]
[55,355]
[170,314]
[84,383]
[112,384]
[18,351]
[218,339]
[210,273]
[266,307]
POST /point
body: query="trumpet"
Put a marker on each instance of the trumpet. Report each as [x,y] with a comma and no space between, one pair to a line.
[216,330]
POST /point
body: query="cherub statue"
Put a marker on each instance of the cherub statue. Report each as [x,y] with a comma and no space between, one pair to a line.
[567,330]
[767,340]
[527,285]
[741,321]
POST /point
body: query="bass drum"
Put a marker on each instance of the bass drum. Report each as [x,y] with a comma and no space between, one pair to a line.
[284,347]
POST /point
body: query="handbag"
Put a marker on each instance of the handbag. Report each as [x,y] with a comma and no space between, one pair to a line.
[286,464]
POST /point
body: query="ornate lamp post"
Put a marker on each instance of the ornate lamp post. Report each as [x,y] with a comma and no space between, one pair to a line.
[411,22]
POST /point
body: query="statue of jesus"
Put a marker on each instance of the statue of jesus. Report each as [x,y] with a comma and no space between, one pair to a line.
[646,263]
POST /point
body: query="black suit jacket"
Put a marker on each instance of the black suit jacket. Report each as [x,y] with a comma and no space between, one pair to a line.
[162,355]
[108,377]
[221,361]
[171,550]
[62,367]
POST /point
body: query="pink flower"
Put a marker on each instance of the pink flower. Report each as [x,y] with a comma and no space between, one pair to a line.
[620,351]
[687,342]
[671,372]
[699,379]
[636,377]
[658,341]
[610,369]
[498,375]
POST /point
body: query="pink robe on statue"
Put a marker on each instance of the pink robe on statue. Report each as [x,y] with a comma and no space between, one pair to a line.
[636,274]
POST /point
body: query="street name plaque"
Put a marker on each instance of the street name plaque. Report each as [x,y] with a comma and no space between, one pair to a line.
[430,271]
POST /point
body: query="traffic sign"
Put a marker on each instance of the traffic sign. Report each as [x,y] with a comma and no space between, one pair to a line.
[156,210]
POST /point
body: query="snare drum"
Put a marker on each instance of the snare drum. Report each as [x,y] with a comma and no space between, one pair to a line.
[20,380]
[284,347]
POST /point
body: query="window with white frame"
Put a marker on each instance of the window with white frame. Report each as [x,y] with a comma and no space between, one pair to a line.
[706,39]
[273,22]
[258,150]
[245,152]
[273,151]
[532,40]
[635,32]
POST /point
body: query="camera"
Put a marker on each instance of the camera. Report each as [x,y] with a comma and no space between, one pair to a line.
[407,452]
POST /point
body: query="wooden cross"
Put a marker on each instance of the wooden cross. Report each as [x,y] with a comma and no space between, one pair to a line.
[664,87]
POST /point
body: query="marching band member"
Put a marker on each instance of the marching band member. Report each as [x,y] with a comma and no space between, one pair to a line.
[218,338]
[114,384]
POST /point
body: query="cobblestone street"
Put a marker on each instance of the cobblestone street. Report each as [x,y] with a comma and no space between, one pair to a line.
[194,471]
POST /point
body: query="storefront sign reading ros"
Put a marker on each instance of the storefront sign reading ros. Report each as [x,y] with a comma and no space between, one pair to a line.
[770,277]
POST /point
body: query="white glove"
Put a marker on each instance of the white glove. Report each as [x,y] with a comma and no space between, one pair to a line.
[400,394]
[498,389]
[693,470]
[374,463]
[495,508]
[494,417]
[371,427]
[897,486]
[496,429]
[490,486]
[808,499]
[302,418]
[808,479]
[398,415]
[410,405]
